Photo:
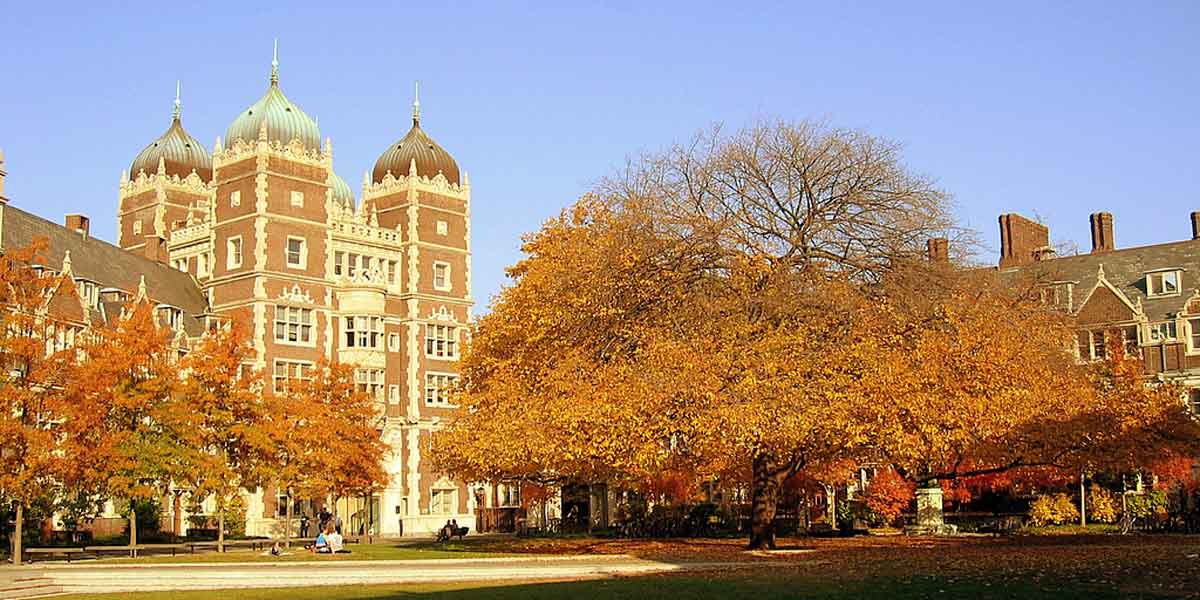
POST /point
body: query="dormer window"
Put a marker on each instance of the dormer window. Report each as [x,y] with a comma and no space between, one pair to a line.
[170,316]
[89,291]
[1167,282]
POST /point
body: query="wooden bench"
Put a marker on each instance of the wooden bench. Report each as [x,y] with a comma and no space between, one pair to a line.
[67,552]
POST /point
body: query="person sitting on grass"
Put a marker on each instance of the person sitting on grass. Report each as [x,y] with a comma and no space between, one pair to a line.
[320,546]
[336,544]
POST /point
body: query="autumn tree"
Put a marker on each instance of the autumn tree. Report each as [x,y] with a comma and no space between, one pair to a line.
[219,414]
[33,369]
[703,307]
[324,437]
[120,437]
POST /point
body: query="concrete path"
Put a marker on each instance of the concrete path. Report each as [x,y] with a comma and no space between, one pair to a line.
[154,577]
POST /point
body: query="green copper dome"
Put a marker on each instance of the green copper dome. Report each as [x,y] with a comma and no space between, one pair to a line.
[285,121]
[180,153]
[342,194]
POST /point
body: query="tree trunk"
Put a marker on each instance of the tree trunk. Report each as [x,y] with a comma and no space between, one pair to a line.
[220,524]
[768,477]
[132,529]
[1082,502]
[287,524]
[17,533]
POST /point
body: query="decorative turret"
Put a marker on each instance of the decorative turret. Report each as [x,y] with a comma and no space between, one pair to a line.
[175,151]
[284,120]
[416,147]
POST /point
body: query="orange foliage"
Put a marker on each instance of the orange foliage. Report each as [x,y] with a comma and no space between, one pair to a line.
[889,495]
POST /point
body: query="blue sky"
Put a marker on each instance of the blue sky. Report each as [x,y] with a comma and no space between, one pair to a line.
[1049,109]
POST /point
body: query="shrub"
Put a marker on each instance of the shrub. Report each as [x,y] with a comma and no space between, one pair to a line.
[1103,507]
[887,497]
[1053,510]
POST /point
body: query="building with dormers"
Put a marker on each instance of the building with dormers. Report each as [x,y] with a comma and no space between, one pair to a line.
[264,231]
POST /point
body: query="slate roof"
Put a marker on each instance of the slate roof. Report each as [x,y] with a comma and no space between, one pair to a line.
[1126,270]
[106,264]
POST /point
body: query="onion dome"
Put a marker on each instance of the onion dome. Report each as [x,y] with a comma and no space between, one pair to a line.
[179,152]
[417,147]
[285,121]
[342,194]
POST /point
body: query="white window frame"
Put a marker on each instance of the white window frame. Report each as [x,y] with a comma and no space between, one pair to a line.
[441,341]
[443,228]
[305,369]
[362,331]
[1156,281]
[1162,331]
[449,284]
[233,250]
[443,501]
[303,324]
[303,253]
[297,199]
[393,394]
[137,227]
[393,343]
[371,381]
[436,385]
[235,198]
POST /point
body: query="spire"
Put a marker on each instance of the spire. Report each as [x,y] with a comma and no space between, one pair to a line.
[416,103]
[275,64]
[178,104]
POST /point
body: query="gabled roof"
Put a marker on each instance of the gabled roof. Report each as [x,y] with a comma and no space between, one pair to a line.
[1125,272]
[107,265]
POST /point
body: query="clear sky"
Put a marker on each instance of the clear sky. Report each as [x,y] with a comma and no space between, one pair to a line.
[1049,109]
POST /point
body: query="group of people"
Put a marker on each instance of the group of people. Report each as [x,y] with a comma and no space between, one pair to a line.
[325,520]
[328,541]
[449,530]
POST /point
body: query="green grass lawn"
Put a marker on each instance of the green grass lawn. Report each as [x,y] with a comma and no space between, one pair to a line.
[671,587]
[376,551]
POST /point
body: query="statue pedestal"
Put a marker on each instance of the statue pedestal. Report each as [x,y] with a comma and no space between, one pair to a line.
[929,514]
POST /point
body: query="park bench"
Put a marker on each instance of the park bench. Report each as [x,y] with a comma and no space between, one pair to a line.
[458,532]
[31,553]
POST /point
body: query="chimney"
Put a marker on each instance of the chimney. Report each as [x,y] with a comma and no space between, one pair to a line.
[1022,241]
[938,250]
[3,198]
[156,249]
[78,223]
[1195,220]
[1102,233]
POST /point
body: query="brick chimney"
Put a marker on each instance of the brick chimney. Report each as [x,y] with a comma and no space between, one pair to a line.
[1102,233]
[79,223]
[156,249]
[3,198]
[1195,222]
[937,250]
[1022,241]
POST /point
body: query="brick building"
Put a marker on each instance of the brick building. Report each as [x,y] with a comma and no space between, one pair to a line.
[1147,296]
[263,230]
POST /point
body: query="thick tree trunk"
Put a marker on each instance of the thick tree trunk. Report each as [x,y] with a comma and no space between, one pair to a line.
[287,524]
[18,531]
[132,529]
[768,478]
[220,524]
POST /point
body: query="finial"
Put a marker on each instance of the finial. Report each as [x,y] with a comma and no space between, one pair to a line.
[217,147]
[141,293]
[178,104]
[275,64]
[328,146]
[466,180]
[416,103]
[124,176]
[1100,274]
[162,166]
[366,179]
[66,266]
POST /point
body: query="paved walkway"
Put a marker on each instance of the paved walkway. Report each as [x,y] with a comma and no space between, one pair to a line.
[153,577]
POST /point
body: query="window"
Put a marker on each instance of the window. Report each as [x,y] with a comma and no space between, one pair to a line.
[281,503]
[235,198]
[182,264]
[441,341]
[296,255]
[1194,400]
[202,265]
[1163,283]
[137,228]
[394,394]
[362,332]
[442,227]
[1129,335]
[509,494]
[293,325]
[438,386]
[339,258]
[170,316]
[443,502]
[89,291]
[58,338]
[369,381]
[1161,332]
[233,256]
[393,267]
[441,276]
[297,198]
[394,342]
[287,371]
